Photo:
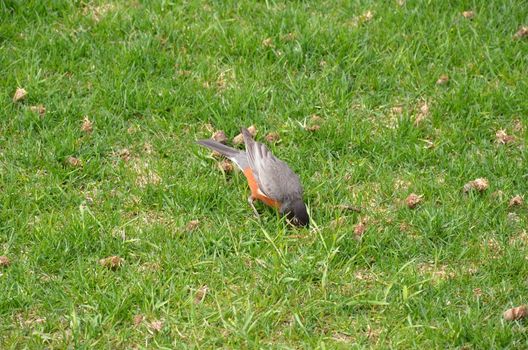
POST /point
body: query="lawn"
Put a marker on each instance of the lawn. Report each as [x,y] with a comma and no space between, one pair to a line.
[373,101]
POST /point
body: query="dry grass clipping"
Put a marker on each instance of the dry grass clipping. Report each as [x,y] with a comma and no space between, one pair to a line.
[156,326]
[226,166]
[39,109]
[192,225]
[502,138]
[200,294]
[442,80]
[272,137]
[74,162]
[521,33]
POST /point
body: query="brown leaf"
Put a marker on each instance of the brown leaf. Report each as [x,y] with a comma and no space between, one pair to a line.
[40,109]
[360,229]
[272,137]
[112,262]
[268,42]
[480,185]
[138,319]
[20,94]
[74,162]
[516,201]
[314,124]
[87,125]
[220,136]
[226,166]
[516,313]
[313,128]
[200,294]
[4,261]
[413,200]
[501,137]
[192,225]
[156,325]
[442,80]
[252,130]
[468,14]
[521,33]
[238,140]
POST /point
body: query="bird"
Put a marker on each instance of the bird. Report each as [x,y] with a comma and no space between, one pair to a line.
[270,179]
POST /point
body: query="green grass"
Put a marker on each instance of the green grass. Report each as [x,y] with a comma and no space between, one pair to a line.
[151,75]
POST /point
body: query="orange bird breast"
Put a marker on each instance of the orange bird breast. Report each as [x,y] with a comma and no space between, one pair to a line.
[256,193]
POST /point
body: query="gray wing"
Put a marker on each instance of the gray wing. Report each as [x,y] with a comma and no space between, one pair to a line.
[239,157]
[275,178]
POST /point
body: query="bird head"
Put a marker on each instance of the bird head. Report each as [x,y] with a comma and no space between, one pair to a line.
[295,212]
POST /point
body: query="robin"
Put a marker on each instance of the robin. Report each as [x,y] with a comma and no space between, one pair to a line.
[270,179]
